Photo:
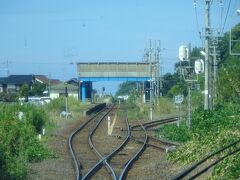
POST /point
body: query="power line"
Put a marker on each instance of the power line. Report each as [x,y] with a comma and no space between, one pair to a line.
[226,15]
[40,63]
[196,16]
[221,13]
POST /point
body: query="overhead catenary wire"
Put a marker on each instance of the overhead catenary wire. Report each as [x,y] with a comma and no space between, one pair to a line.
[196,16]
[39,63]
[221,15]
[211,2]
[225,20]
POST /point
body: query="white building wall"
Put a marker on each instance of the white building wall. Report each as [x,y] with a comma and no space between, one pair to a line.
[11,87]
[54,95]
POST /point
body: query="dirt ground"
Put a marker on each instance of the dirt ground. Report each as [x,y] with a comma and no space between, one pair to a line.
[60,167]
[151,165]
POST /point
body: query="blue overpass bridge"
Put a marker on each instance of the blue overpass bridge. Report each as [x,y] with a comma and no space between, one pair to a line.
[89,72]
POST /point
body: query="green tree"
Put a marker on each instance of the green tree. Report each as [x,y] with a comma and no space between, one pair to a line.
[24,91]
[38,89]
[229,82]
[169,80]
[179,88]
[229,73]
[126,88]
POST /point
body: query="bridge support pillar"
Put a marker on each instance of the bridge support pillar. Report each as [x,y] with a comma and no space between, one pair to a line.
[86,91]
[83,91]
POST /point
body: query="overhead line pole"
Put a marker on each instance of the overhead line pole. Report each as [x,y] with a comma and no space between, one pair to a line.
[207,92]
[151,81]
[215,69]
[189,89]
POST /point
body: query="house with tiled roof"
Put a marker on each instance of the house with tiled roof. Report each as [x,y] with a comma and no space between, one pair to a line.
[13,83]
[45,80]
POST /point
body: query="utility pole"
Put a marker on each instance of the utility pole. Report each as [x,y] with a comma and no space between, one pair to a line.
[189,105]
[189,88]
[215,68]
[151,81]
[152,57]
[207,92]
[214,74]
[157,69]
[160,77]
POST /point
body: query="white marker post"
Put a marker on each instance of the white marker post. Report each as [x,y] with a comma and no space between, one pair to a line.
[43,131]
[39,137]
[178,100]
[109,125]
[151,114]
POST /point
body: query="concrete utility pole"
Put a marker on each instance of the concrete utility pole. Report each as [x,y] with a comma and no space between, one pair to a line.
[152,56]
[207,92]
[151,81]
[189,89]
[157,63]
[214,74]
[215,69]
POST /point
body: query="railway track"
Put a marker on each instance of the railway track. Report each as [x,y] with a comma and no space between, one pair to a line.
[203,165]
[92,156]
[103,160]
[120,159]
[155,123]
[158,143]
[78,147]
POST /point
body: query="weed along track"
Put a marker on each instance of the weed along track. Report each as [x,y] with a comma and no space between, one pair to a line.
[203,165]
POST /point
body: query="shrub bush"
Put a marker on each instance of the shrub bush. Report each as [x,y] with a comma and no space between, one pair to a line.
[18,139]
[211,131]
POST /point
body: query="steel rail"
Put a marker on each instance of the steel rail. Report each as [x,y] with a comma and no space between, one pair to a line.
[102,159]
[130,161]
[163,141]
[76,162]
[169,145]
[156,122]
[149,125]
[148,144]
[194,166]
[106,159]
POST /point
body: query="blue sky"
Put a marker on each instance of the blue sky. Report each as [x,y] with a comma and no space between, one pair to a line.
[45,36]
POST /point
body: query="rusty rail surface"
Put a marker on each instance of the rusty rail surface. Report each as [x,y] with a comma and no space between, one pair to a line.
[76,162]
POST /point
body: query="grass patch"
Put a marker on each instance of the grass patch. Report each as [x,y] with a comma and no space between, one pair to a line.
[133,112]
[174,133]
[19,144]
[56,106]
[165,106]
[18,139]
[211,130]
